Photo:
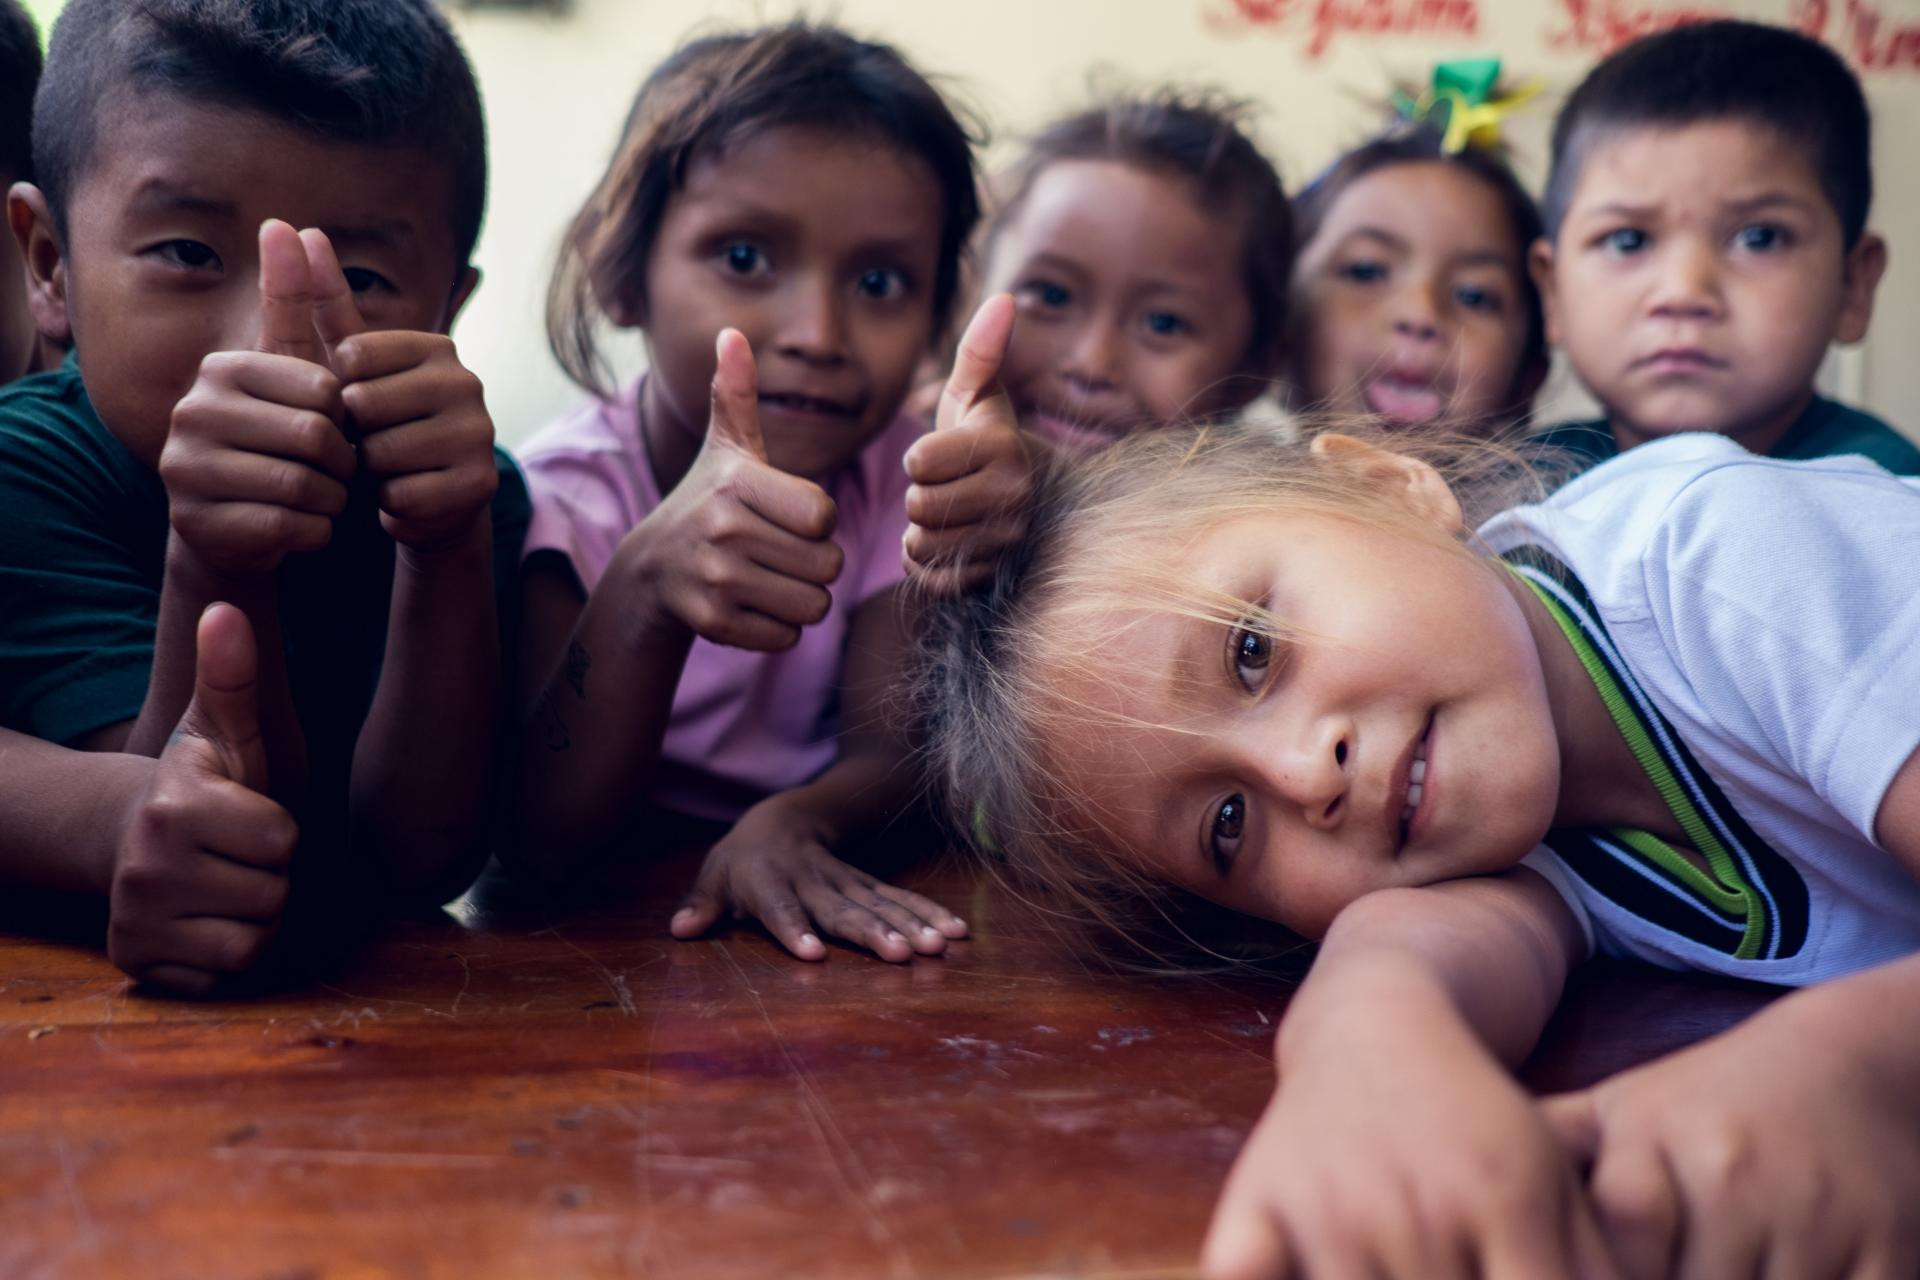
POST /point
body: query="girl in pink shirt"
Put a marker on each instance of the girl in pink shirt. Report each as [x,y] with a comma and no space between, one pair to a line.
[713,620]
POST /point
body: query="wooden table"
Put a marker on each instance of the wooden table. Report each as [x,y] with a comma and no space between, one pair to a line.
[509,1090]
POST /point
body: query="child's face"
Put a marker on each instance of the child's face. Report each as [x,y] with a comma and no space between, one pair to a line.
[1698,277]
[823,251]
[1412,301]
[159,267]
[1284,784]
[1133,303]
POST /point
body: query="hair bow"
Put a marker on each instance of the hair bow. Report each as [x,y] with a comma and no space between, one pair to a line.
[1460,104]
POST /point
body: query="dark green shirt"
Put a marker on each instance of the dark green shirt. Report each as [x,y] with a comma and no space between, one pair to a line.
[1827,429]
[83,535]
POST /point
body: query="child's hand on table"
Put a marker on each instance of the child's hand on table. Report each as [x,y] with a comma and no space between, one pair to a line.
[1412,1157]
[776,866]
[973,475]
[739,553]
[425,435]
[255,463]
[200,876]
[1773,1149]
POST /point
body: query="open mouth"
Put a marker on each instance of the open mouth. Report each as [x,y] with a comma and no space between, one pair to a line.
[1405,399]
[1416,783]
[1078,431]
[793,402]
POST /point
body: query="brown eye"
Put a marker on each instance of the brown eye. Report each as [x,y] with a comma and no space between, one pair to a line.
[1229,821]
[1252,652]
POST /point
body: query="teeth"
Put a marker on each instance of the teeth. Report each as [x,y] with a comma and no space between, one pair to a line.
[1417,774]
[1413,801]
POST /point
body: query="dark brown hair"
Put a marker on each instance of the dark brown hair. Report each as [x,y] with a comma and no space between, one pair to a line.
[1198,135]
[1423,144]
[718,91]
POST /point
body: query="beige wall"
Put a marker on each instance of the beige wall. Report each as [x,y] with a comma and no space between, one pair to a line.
[557,88]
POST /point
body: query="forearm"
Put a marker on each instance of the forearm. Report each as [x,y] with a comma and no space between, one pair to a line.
[421,765]
[1869,1019]
[857,796]
[1488,956]
[62,813]
[188,587]
[589,741]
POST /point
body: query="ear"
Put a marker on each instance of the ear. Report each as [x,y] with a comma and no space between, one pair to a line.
[1860,276]
[1540,265]
[1410,479]
[463,287]
[45,261]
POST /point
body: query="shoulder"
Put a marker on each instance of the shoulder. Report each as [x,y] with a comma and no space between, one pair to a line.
[594,458]
[54,448]
[1831,429]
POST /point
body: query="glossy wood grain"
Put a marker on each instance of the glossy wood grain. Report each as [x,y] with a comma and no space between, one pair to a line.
[563,1091]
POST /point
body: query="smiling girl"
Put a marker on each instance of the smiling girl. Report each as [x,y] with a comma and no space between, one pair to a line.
[712,625]
[1629,719]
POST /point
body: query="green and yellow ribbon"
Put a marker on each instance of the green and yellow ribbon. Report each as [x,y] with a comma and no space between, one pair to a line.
[1460,103]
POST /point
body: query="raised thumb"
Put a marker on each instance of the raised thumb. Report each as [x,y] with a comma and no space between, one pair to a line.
[225,711]
[735,415]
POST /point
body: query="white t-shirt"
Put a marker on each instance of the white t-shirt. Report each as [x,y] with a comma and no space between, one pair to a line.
[1762,618]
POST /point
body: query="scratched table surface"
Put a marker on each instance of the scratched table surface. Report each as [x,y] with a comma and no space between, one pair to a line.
[523,1090]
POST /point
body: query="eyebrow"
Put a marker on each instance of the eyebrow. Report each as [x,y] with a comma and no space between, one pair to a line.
[391,234]
[1384,236]
[1766,199]
[157,195]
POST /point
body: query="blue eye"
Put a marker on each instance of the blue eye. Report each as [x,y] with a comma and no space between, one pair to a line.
[1046,293]
[188,254]
[1474,298]
[1363,271]
[1166,324]
[882,283]
[1623,240]
[1762,238]
[744,259]
[1229,824]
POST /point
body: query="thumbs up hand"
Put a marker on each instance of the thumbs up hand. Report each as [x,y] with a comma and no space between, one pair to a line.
[421,416]
[199,880]
[255,463]
[739,552]
[973,476]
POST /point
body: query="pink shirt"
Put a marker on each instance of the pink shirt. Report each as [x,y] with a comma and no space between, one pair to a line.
[744,724]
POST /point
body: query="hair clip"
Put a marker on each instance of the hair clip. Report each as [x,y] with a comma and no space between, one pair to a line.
[1460,104]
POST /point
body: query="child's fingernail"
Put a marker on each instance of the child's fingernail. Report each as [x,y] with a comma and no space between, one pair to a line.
[929,931]
[808,940]
[893,936]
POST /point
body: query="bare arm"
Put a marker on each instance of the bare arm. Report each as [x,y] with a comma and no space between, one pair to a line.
[596,691]
[62,812]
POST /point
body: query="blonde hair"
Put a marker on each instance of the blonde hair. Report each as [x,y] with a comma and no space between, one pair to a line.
[1106,550]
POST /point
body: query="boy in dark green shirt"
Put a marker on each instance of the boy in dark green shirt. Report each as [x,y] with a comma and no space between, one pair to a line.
[264,416]
[1707,242]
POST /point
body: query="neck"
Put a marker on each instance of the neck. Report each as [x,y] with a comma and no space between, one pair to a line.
[1601,783]
[1762,435]
[672,443]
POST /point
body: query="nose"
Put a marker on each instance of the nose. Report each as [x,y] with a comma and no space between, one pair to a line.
[813,319]
[1688,284]
[1093,358]
[1415,313]
[1306,770]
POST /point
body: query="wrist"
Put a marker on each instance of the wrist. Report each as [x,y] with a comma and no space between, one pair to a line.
[646,619]
[469,545]
[189,570]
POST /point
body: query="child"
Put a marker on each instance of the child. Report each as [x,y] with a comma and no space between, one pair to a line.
[1146,243]
[287,403]
[1707,241]
[712,623]
[1271,674]
[1411,298]
[22,350]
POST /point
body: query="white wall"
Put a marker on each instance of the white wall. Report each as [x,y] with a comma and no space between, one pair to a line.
[557,88]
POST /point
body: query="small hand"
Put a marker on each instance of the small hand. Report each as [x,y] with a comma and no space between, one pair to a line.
[771,868]
[255,464]
[425,434]
[1764,1151]
[1434,1166]
[739,552]
[199,881]
[973,475]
